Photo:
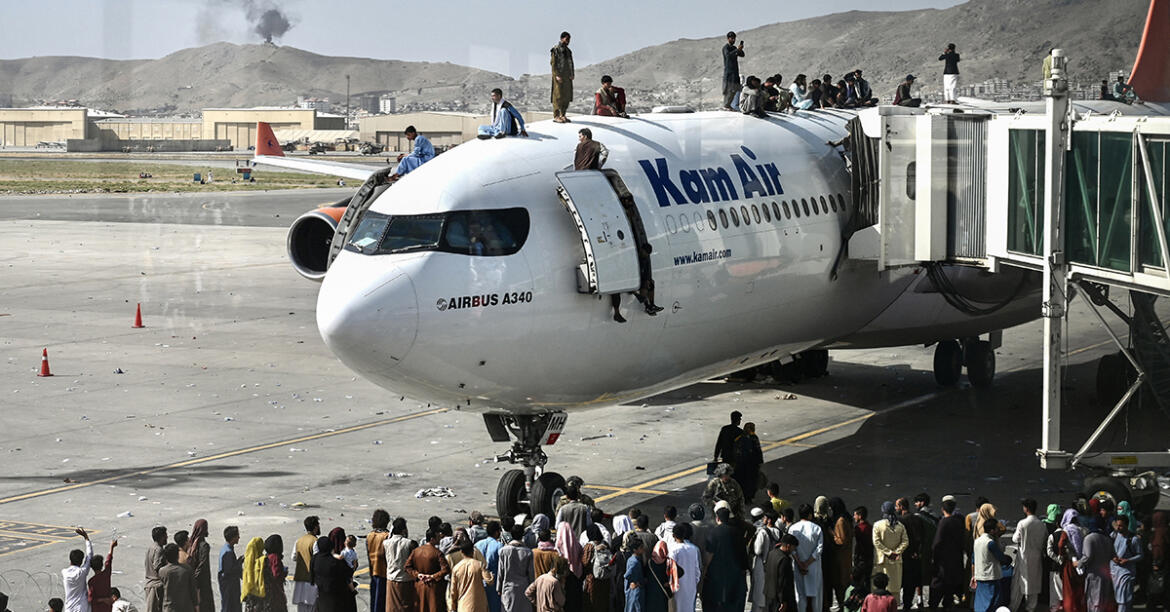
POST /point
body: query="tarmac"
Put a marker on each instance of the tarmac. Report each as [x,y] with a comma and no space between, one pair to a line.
[227,405]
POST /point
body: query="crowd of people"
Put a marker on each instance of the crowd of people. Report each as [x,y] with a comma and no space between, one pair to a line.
[723,555]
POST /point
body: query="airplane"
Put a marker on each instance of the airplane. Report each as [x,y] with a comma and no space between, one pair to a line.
[484,279]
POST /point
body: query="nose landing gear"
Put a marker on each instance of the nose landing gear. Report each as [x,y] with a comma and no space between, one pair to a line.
[528,489]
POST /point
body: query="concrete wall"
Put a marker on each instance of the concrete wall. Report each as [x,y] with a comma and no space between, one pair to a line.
[129,129]
[93,145]
[25,127]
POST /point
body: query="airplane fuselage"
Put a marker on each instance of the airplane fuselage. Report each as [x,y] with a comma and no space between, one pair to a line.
[745,218]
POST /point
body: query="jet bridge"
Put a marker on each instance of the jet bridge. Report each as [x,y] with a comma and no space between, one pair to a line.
[1078,197]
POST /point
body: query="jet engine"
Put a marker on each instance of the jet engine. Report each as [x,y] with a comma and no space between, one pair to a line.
[309,239]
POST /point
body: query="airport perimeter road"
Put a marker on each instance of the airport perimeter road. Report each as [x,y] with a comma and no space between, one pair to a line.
[227,406]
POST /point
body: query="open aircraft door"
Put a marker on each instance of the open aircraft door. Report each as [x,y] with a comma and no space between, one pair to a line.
[611,250]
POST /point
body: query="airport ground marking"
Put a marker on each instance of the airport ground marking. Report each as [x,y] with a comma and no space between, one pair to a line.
[224,455]
[23,536]
[644,488]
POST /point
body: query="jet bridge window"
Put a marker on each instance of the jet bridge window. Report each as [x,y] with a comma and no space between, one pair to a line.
[475,232]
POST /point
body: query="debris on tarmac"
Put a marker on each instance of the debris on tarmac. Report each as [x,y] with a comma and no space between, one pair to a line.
[434,492]
[126,514]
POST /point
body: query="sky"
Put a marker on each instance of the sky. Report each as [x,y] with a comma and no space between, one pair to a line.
[468,32]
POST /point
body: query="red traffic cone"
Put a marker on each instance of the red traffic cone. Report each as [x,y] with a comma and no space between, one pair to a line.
[138,318]
[45,364]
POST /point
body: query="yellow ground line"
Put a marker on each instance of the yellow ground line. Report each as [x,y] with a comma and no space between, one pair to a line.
[217,457]
[32,536]
[643,488]
[624,489]
[28,548]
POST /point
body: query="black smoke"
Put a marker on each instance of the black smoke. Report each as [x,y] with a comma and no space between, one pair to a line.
[267,20]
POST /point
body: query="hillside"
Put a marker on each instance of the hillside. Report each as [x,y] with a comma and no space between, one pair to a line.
[997,38]
[225,74]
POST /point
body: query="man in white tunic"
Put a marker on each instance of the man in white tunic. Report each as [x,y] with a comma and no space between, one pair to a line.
[687,557]
[1030,538]
[809,577]
[767,537]
[74,577]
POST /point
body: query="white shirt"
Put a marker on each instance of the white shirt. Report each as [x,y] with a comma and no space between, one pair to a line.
[74,577]
[124,606]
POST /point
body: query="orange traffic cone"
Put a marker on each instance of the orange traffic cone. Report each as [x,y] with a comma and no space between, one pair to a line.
[45,364]
[138,318]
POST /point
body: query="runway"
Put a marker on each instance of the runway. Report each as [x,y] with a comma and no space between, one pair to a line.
[227,405]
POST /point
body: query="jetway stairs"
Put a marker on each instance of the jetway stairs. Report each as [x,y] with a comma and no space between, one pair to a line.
[1077,197]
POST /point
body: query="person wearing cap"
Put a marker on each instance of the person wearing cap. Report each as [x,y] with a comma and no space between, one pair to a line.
[699,529]
[576,481]
[767,537]
[890,540]
[780,576]
[902,95]
[725,586]
[722,487]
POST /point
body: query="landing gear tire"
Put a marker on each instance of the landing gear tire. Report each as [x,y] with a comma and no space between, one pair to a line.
[948,363]
[510,493]
[546,490]
[980,358]
[1106,487]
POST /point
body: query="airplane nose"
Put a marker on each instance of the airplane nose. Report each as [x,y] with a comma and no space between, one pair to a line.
[368,318]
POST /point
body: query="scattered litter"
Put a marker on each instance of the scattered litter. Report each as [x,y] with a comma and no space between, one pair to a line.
[190,453]
[787,396]
[638,467]
[299,505]
[228,419]
[126,514]
[65,460]
[599,436]
[318,400]
[119,371]
[296,450]
[67,480]
[398,475]
[377,442]
[434,492]
[260,503]
[141,498]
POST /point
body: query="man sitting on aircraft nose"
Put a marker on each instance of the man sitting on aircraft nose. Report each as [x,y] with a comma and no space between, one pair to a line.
[506,120]
[421,153]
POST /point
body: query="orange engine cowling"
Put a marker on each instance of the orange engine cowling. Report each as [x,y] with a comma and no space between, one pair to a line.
[309,239]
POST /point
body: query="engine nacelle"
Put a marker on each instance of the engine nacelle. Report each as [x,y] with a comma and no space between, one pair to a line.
[310,237]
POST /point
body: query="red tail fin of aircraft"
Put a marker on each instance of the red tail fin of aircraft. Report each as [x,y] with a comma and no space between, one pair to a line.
[1150,77]
[266,143]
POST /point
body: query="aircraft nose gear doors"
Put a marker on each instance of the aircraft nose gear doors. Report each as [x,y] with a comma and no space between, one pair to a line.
[530,489]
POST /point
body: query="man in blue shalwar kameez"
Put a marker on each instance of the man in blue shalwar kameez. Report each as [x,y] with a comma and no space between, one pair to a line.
[421,153]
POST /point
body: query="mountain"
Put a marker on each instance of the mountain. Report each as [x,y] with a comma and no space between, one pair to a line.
[228,75]
[996,38]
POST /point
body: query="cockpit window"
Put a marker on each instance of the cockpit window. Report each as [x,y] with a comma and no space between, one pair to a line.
[466,232]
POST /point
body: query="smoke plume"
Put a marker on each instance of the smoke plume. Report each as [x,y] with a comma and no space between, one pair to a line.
[267,20]
[264,19]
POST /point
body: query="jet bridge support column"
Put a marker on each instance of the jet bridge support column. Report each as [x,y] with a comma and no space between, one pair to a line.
[1055,299]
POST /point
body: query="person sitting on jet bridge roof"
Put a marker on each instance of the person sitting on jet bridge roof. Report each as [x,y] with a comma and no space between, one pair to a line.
[506,120]
[422,153]
[610,100]
[1122,91]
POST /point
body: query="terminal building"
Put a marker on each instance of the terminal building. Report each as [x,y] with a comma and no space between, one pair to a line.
[225,129]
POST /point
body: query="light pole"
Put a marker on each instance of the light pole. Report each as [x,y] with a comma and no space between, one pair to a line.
[347,101]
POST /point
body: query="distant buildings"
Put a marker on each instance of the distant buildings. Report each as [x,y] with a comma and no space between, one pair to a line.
[387,105]
[317,104]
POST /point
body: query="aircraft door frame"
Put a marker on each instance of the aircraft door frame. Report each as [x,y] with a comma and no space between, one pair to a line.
[611,248]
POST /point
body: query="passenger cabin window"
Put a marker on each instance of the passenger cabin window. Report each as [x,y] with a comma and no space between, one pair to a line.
[767,214]
[734,217]
[747,219]
[804,205]
[723,217]
[487,233]
[776,211]
[711,221]
[816,211]
[795,209]
[698,222]
[756,212]
[825,206]
[833,202]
